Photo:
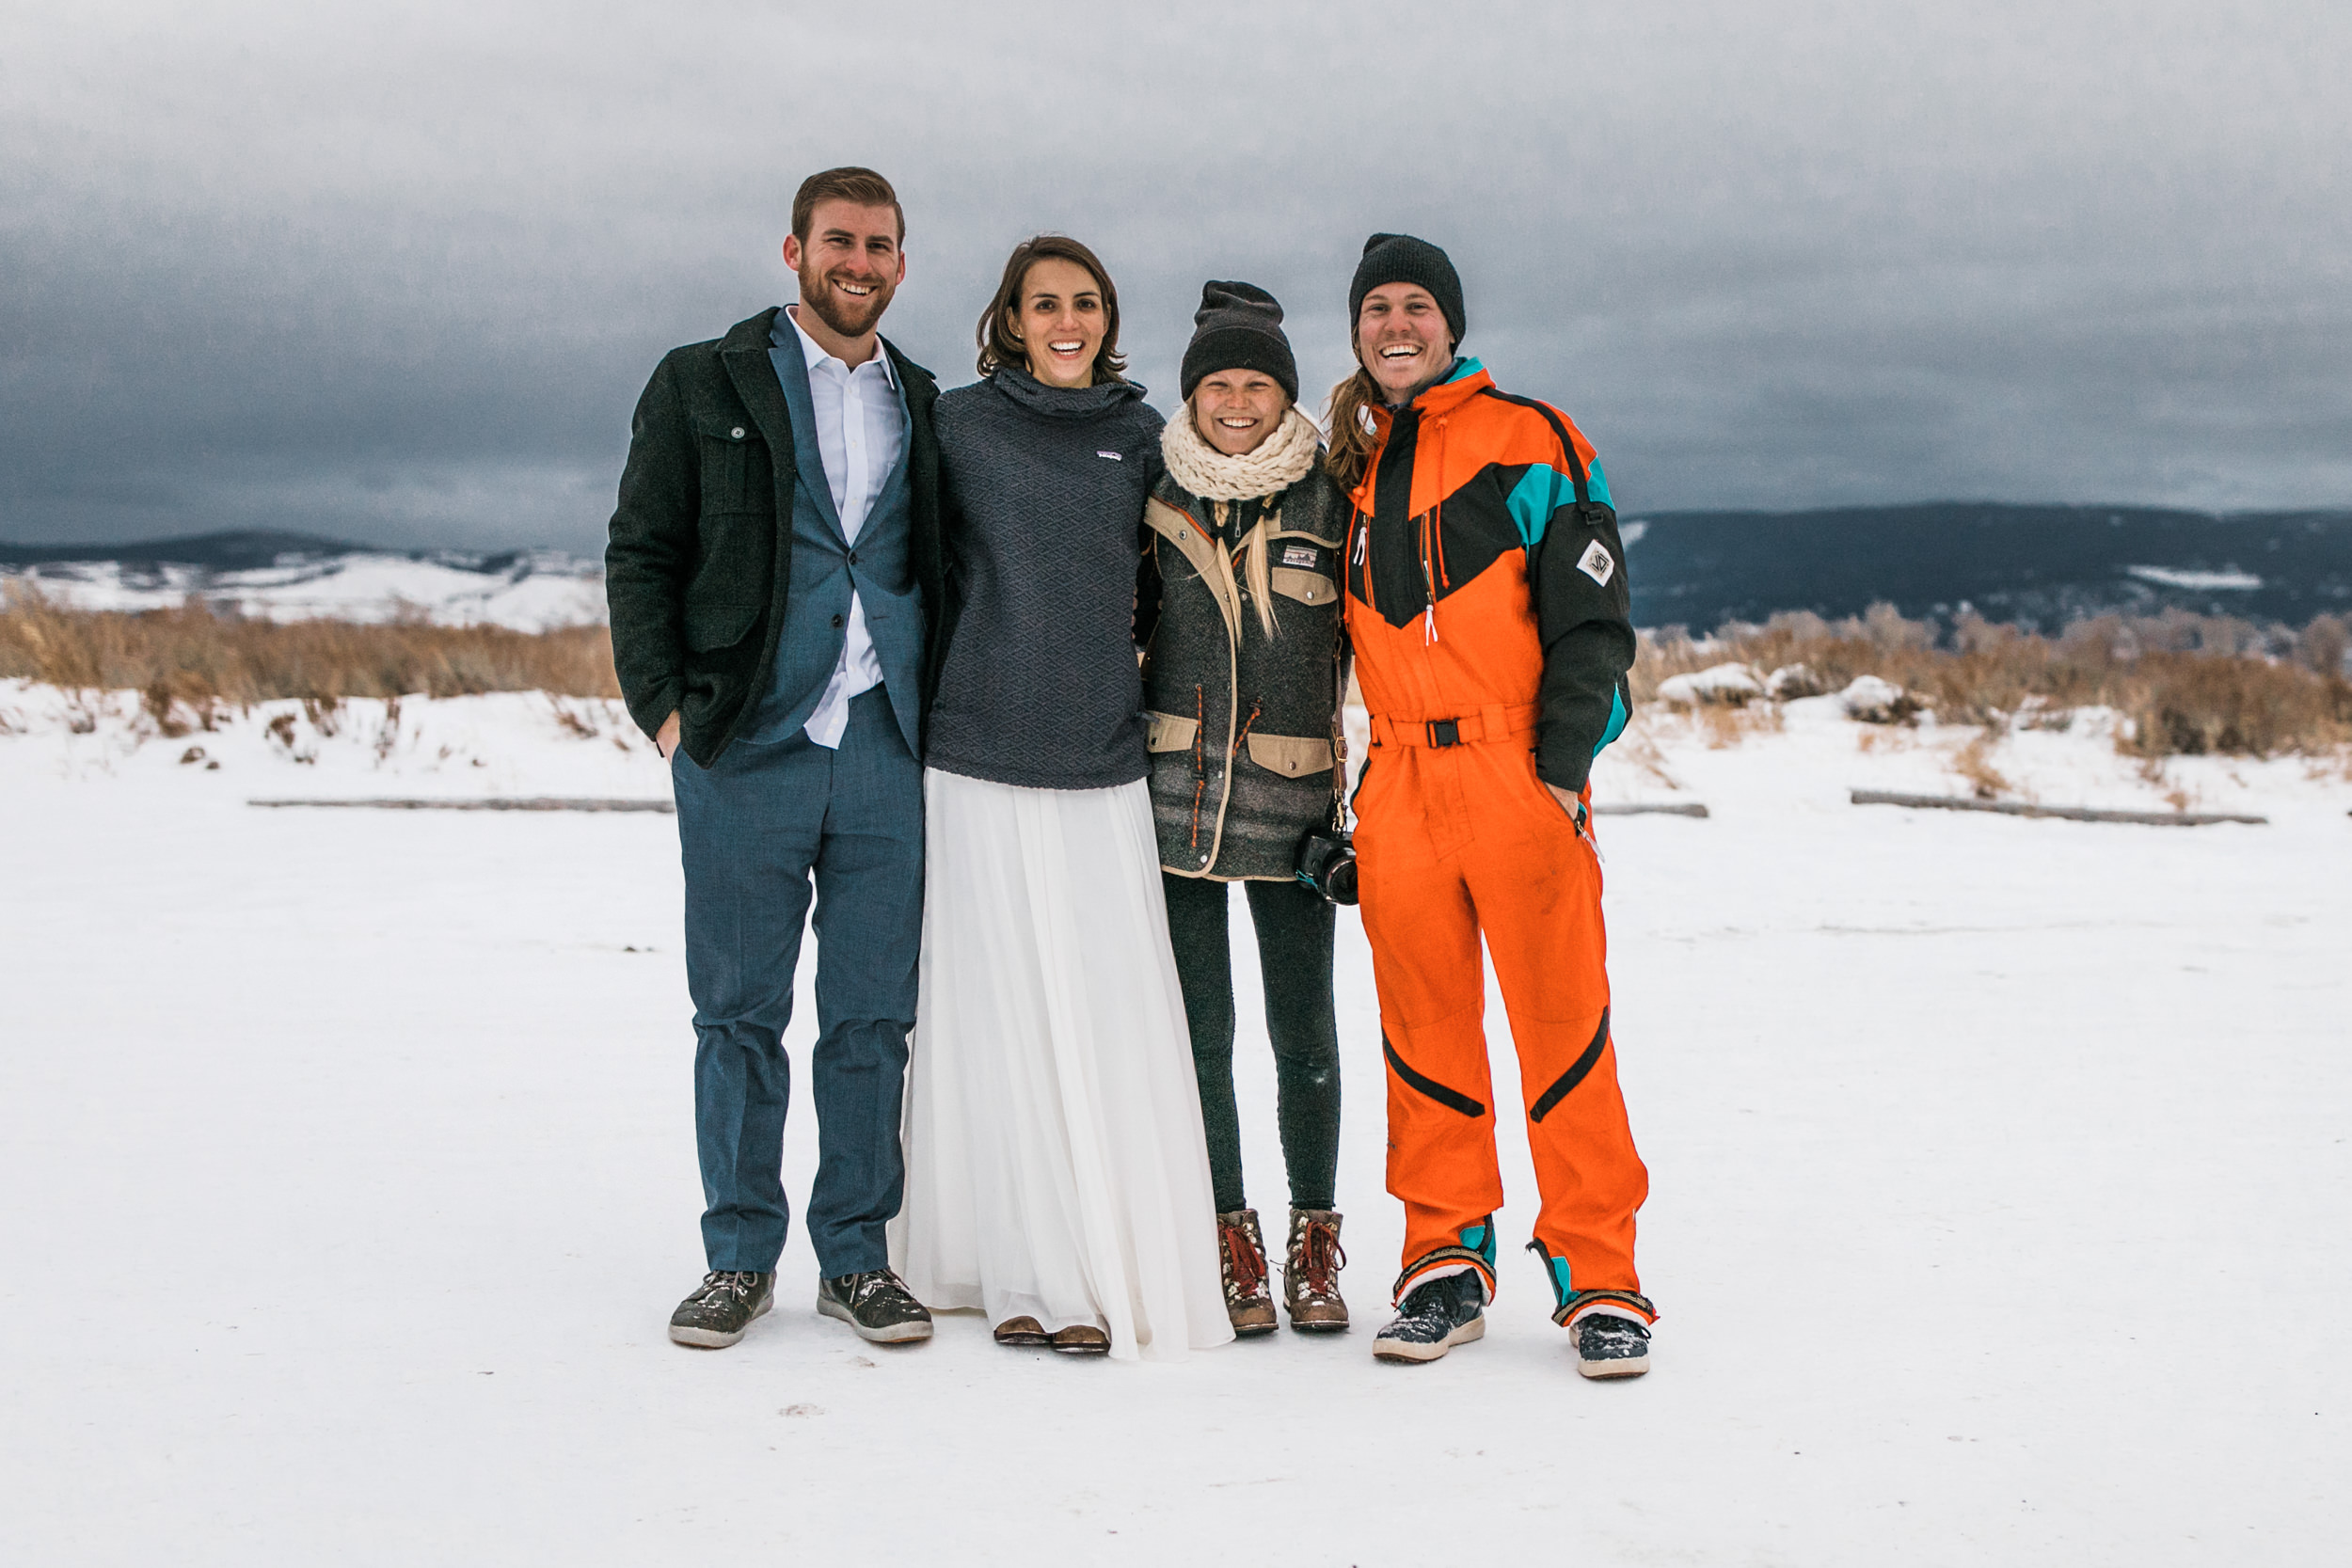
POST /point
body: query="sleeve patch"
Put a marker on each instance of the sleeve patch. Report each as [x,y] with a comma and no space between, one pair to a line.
[1597,564]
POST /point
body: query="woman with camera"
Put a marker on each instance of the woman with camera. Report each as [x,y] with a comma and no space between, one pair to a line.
[1239,609]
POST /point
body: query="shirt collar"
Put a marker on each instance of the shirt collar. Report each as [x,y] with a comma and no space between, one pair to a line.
[816,353]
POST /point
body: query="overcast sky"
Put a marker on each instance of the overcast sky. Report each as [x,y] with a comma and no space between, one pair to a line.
[397,273]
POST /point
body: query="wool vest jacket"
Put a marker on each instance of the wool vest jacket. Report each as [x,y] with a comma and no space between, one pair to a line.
[1241,726]
[825,568]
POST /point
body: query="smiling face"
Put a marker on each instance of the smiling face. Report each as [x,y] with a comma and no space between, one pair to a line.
[1059,323]
[1236,411]
[1403,339]
[850,265]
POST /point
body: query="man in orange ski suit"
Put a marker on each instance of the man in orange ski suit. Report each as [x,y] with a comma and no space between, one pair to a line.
[1487,605]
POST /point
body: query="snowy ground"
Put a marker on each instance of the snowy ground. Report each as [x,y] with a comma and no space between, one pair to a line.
[1996,1165]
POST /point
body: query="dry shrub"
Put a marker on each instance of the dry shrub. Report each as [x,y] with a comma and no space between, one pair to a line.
[2190,685]
[194,659]
[1726,724]
[1974,763]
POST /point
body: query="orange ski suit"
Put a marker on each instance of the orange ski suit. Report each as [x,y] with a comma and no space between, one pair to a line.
[1487,609]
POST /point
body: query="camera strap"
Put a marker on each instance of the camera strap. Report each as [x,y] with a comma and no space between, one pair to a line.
[1340,652]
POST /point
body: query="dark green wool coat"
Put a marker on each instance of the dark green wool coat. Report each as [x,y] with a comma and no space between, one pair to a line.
[1240,725]
[698,568]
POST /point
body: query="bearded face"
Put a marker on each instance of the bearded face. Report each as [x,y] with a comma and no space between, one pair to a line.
[849,298]
[849,266]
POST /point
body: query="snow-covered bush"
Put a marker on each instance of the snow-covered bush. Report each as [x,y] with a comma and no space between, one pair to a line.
[1729,684]
[1877,701]
[1792,681]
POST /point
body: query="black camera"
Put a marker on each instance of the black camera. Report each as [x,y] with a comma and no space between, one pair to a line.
[1327,862]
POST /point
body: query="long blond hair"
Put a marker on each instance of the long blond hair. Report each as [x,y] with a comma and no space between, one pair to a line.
[1347,417]
[1256,569]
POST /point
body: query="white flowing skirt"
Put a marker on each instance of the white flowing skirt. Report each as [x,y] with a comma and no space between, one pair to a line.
[1056,1164]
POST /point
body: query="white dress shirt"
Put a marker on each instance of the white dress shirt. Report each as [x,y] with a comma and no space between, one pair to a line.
[861,429]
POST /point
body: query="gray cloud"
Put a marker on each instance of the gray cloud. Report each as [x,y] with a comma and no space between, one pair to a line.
[397,273]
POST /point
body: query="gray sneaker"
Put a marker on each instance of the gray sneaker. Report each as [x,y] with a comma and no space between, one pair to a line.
[1434,1317]
[716,1315]
[1610,1346]
[876,1304]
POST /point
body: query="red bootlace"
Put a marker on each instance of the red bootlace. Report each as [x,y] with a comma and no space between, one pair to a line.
[1324,1260]
[1242,1261]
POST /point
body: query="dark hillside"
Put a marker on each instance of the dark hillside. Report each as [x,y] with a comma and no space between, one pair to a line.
[240,551]
[2037,565]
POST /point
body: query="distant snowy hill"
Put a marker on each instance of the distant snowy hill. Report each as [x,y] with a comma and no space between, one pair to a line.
[2042,565]
[293,576]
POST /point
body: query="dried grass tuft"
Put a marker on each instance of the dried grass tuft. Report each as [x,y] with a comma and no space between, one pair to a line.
[2184,685]
[183,661]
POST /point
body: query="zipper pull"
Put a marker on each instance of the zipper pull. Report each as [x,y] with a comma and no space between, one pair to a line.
[1581,817]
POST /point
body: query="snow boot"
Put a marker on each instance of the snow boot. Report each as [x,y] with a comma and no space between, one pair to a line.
[1611,1328]
[722,1308]
[1310,1273]
[1242,1253]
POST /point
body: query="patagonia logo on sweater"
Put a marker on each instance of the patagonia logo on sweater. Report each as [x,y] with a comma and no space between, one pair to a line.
[1112,455]
[1298,555]
[1597,564]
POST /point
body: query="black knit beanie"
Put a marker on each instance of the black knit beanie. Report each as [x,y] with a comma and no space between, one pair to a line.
[1238,327]
[1402,259]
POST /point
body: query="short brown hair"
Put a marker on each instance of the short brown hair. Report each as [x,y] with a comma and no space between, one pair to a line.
[860,186]
[998,347]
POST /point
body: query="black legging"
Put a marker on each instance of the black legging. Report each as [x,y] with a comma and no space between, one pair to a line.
[1295,925]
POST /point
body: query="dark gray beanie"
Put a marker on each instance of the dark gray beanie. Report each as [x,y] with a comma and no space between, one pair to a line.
[1238,327]
[1402,259]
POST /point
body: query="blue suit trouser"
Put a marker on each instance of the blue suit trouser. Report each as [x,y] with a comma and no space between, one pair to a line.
[755,829]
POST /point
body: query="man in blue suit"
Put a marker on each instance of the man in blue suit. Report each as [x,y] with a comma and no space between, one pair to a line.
[775,575]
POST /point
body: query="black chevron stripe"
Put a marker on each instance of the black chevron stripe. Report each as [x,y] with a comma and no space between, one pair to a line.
[1576,1073]
[1453,1099]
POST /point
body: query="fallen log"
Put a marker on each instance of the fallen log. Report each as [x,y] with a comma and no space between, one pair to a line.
[1651,808]
[2069,813]
[518,802]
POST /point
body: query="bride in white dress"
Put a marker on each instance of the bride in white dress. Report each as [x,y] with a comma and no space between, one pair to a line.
[1057,1175]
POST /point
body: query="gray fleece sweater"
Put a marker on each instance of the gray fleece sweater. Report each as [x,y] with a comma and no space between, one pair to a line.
[1041,494]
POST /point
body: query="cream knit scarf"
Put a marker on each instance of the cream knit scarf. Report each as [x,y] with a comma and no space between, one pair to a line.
[1281,461]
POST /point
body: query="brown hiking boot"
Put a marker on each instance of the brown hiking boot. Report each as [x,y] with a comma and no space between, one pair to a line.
[1247,1301]
[1310,1273]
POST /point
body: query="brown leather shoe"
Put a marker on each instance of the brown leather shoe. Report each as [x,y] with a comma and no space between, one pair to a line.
[1242,1256]
[1310,1273]
[1083,1339]
[1025,1332]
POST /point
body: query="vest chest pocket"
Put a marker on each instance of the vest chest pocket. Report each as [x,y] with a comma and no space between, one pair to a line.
[1304,586]
[1168,731]
[1292,756]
